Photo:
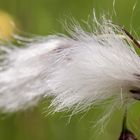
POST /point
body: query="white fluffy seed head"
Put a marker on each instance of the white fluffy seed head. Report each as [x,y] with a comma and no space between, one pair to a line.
[85,69]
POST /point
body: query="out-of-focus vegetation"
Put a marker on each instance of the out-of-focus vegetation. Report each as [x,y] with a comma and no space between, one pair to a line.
[44,17]
[7,26]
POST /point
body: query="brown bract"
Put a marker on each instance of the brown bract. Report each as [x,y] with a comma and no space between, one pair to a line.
[127,135]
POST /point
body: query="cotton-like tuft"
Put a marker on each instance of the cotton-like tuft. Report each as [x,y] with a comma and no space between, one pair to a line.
[82,70]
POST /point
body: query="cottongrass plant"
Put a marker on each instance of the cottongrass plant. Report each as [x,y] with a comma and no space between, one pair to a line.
[79,71]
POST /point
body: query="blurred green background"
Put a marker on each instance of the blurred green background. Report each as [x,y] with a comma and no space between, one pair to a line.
[44,17]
